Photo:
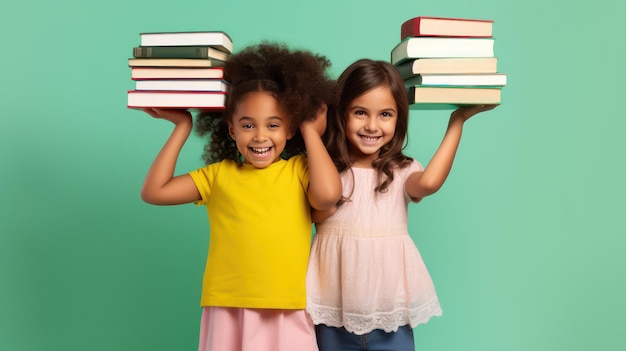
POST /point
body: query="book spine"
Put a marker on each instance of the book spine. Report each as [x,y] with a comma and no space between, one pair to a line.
[399,54]
[190,52]
[410,28]
[406,69]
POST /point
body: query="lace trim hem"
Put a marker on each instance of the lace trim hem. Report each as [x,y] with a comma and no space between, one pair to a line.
[361,324]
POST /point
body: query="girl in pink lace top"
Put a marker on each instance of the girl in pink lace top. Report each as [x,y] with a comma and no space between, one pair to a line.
[367,285]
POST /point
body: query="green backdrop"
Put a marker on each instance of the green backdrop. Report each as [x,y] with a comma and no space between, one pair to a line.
[524,241]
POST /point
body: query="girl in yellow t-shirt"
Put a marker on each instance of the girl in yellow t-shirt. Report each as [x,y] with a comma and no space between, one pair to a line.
[258,188]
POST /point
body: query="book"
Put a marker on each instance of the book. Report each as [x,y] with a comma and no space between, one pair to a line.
[182,85]
[460,65]
[446,97]
[189,52]
[429,47]
[169,62]
[446,27]
[176,99]
[138,73]
[461,80]
[216,39]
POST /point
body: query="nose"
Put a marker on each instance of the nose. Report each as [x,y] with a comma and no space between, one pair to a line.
[371,124]
[260,135]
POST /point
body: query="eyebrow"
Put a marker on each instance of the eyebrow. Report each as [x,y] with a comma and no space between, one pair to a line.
[247,118]
[358,107]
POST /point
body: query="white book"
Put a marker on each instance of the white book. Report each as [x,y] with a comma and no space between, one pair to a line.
[182,85]
[216,39]
[487,80]
[176,99]
[428,47]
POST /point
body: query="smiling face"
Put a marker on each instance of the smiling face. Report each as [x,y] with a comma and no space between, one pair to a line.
[370,124]
[260,128]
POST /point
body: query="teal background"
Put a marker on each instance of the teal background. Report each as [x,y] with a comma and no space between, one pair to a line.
[524,242]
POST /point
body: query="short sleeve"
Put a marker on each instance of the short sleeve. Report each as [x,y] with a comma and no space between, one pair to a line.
[412,168]
[301,169]
[204,178]
[406,172]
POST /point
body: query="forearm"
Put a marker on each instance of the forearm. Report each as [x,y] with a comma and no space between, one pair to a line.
[162,170]
[435,174]
[324,181]
[441,163]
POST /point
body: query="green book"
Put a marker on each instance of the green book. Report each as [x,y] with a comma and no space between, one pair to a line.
[189,52]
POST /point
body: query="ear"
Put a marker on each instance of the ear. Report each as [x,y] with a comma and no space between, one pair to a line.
[231,130]
[291,134]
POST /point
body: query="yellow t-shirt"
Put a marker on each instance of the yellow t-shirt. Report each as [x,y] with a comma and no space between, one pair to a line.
[260,233]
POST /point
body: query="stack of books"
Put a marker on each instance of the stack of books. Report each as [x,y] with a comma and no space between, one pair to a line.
[180,70]
[448,62]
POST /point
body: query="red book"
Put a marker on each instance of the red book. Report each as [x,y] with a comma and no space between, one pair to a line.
[424,26]
[138,73]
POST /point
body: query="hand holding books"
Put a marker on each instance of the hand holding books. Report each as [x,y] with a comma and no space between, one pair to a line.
[466,112]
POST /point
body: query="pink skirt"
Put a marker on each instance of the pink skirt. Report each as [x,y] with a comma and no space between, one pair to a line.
[245,329]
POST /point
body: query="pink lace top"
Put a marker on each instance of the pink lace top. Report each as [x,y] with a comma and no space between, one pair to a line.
[365,271]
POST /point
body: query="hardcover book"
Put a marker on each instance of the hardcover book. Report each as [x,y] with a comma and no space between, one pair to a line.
[459,65]
[446,27]
[461,80]
[429,97]
[176,99]
[182,85]
[428,47]
[168,62]
[138,73]
[189,52]
[216,39]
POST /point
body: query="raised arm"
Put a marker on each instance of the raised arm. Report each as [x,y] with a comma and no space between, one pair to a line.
[429,181]
[324,181]
[161,187]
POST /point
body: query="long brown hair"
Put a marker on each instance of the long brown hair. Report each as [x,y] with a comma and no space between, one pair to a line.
[358,79]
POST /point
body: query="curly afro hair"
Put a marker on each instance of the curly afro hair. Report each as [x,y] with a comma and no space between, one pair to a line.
[298,80]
